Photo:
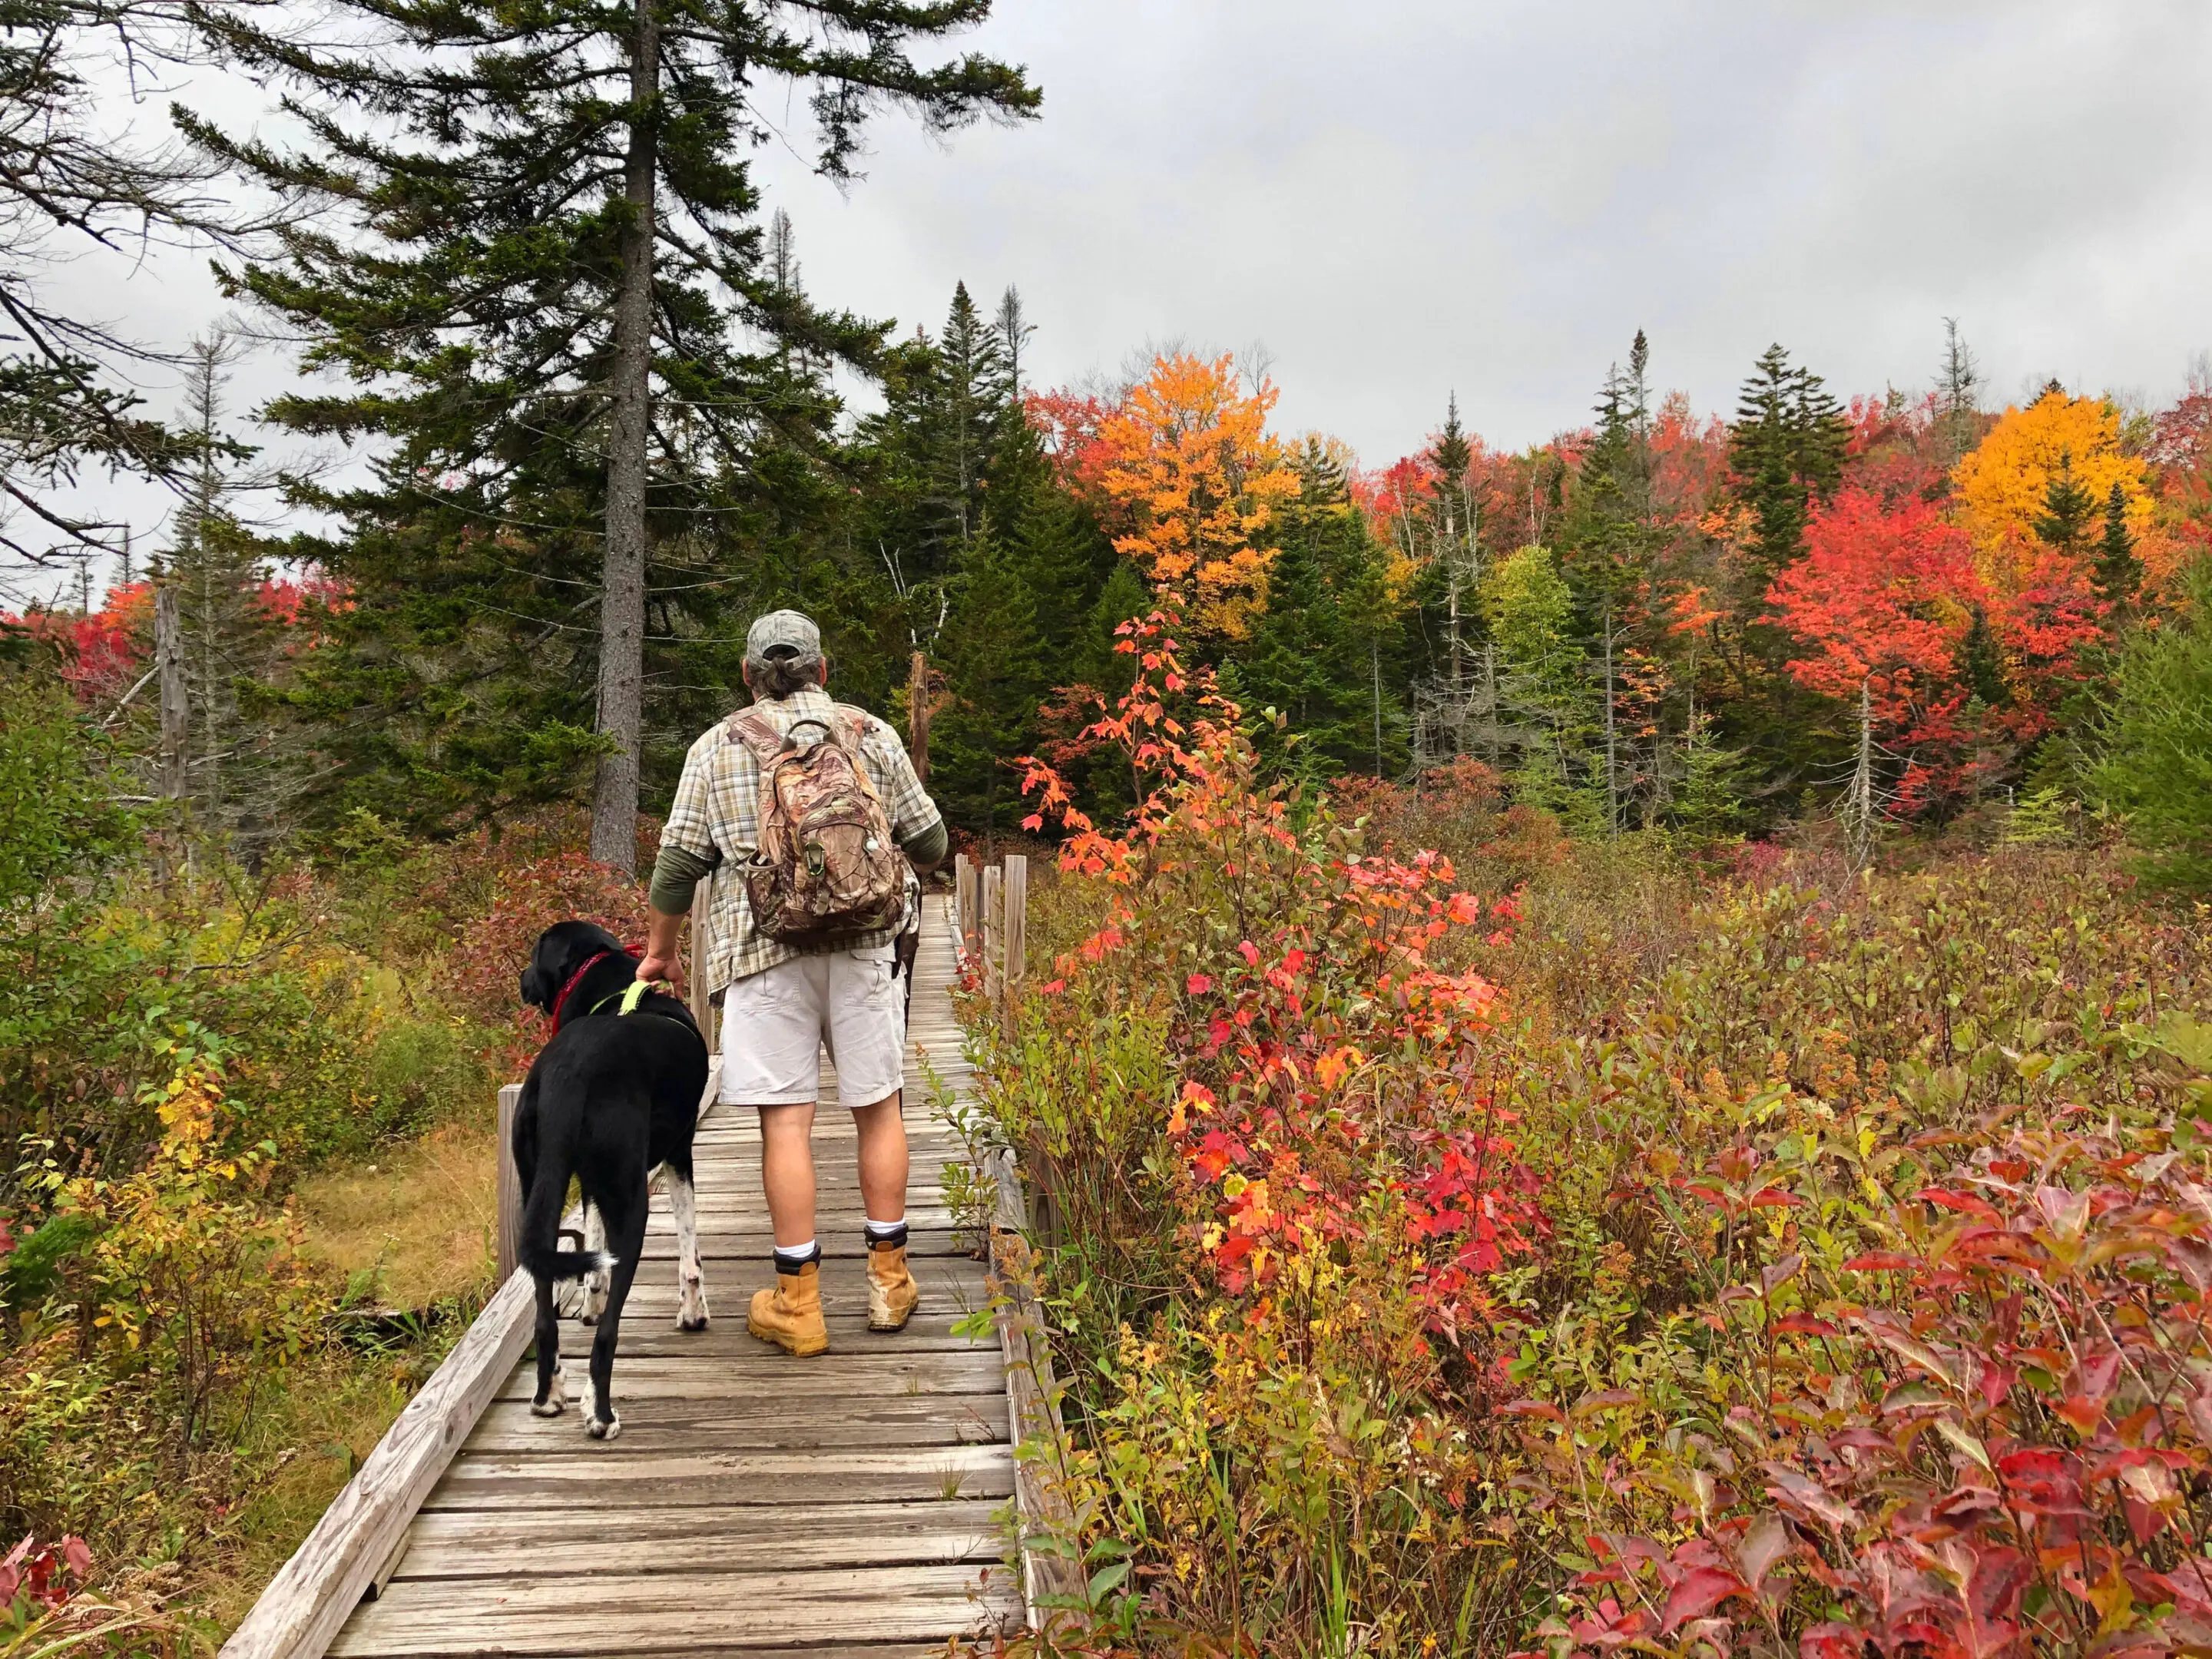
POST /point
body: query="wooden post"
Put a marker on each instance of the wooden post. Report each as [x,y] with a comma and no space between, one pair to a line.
[993,898]
[702,954]
[507,1244]
[917,717]
[967,920]
[1014,935]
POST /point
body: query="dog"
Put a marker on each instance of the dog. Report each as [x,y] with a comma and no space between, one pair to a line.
[612,1099]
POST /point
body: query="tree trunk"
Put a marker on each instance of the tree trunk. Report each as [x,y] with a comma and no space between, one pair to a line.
[621,596]
[917,718]
[169,659]
[1612,761]
[1375,681]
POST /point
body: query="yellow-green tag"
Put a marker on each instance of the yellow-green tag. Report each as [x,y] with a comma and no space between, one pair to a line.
[635,995]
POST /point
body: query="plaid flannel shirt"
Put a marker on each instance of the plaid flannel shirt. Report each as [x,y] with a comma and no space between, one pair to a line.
[717,815]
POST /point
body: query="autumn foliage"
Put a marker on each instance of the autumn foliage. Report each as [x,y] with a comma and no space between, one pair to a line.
[1194,479]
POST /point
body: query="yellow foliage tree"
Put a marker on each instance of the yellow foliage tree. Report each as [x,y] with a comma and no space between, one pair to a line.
[1189,461]
[2004,486]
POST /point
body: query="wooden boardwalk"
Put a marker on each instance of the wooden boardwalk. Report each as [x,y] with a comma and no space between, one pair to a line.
[849,1506]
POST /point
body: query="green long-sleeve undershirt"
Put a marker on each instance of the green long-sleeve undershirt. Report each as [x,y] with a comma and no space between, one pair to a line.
[677,871]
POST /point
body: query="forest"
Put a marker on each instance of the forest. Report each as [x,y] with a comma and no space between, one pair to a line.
[1619,1040]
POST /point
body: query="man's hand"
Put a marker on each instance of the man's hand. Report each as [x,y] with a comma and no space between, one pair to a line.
[662,960]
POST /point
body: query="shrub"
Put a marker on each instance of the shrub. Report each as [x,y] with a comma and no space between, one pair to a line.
[2157,767]
[1990,1434]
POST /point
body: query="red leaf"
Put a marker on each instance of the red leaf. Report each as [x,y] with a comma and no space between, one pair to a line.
[1804,1324]
[1880,1262]
[1697,1593]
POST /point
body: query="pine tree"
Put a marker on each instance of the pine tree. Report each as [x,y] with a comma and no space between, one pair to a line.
[1303,658]
[1787,450]
[2119,572]
[1958,394]
[994,665]
[1611,543]
[70,405]
[2067,509]
[553,248]
[1981,664]
[230,642]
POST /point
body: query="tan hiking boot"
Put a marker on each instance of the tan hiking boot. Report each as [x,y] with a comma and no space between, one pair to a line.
[790,1315]
[891,1290]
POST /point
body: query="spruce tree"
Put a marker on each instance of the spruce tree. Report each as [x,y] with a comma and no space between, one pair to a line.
[994,665]
[1303,658]
[1786,449]
[2119,572]
[1611,543]
[1958,389]
[2069,507]
[549,252]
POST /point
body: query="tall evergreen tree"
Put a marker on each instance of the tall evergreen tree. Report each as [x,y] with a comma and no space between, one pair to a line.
[2069,509]
[2119,572]
[1958,396]
[1611,543]
[1304,658]
[554,247]
[1786,449]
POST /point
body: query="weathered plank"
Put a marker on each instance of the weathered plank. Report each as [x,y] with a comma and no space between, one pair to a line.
[875,1375]
[665,1613]
[600,1476]
[500,1544]
[793,1423]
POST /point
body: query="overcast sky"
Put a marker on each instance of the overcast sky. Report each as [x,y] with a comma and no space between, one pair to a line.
[1401,198]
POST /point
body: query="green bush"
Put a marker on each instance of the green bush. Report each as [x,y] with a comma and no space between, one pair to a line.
[2156,766]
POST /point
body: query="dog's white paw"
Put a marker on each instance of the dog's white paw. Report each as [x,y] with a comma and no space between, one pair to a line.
[556,1397]
[606,1430]
[692,1315]
[587,1402]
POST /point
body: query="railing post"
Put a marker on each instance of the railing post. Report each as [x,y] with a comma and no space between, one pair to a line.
[994,915]
[964,923]
[506,1245]
[1014,898]
[703,953]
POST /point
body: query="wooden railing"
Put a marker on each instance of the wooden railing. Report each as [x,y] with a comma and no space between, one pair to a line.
[991,915]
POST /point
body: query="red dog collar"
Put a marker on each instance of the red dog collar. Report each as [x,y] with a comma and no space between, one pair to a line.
[574,980]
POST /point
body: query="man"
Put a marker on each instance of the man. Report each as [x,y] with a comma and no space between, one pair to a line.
[780,1002]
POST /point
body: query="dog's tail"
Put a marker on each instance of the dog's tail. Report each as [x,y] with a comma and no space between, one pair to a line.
[541,1252]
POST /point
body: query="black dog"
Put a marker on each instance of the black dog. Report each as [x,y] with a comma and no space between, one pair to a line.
[610,1098]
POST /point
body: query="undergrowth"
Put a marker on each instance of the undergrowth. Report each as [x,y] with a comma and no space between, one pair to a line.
[1573,1248]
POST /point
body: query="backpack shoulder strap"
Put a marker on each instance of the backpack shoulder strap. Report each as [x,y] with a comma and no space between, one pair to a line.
[757,733]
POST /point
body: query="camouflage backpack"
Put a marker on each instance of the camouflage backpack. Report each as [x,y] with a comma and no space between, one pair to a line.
[824,867]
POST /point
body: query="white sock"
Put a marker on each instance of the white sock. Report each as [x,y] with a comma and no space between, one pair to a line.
[790,1258]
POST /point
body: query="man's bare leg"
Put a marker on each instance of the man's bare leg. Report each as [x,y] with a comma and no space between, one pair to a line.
[790,1315]
[788,1171]
[883,1156]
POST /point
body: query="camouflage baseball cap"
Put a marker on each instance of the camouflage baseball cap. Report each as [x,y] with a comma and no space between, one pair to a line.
[783,636]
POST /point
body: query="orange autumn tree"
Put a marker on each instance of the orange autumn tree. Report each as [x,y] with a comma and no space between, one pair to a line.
[1194,478]
[2003,488]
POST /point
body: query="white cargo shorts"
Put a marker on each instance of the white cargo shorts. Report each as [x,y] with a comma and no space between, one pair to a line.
[776,1023]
